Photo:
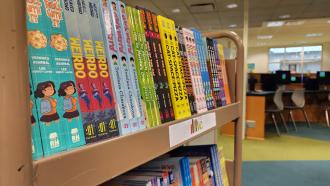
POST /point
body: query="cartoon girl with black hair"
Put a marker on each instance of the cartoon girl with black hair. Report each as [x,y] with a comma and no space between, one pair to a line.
[123,60]
[33,119]
[67,89]
[45,91]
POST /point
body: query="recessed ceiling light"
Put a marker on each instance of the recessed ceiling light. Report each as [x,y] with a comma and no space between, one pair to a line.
[314,35]
[285,16]
[328,21]
[274,23]
[264,37]
[176,10]
[232,26]
[232,5]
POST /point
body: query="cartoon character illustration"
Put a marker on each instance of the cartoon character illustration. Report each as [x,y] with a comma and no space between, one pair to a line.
[96,94]
[123,59]
[115,59]
[67,90]
[37,39]
[132,61]
[45,91]
[58,42]
[107,92]
[114,6]
[84,95]
[33,119]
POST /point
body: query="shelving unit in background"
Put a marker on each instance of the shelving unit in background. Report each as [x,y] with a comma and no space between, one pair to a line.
[99,162]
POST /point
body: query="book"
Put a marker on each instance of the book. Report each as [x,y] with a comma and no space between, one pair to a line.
[109,111]
[203,68]
[111,49]
[144,71]
[94,85]
[223,73]
[174,67]
[223,172]
[194,68]
[220,77]
[155,55]
[44,80]
[36,143]
[133,86]
[213,70]
[187,74]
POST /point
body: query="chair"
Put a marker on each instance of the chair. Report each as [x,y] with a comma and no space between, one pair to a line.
[278,109]
[298,99]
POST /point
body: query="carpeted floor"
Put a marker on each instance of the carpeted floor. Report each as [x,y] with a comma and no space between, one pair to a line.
[298,158]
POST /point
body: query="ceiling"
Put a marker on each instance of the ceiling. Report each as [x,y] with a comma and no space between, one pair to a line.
[315,13]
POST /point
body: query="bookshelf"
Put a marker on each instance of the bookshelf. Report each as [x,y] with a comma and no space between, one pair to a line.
[95,163]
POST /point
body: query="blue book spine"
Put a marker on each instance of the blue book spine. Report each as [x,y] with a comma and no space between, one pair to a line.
[188,172]
[183,172]
[216,165]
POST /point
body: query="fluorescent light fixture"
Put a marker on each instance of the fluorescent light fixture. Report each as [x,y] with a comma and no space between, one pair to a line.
[274,23]
[285,16]
[232,5]
[176,10]
[264,37]
[261,44]
[232,26]
[314,35]
[294,23]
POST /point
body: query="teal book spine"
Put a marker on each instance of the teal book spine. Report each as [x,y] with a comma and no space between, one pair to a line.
[45,81]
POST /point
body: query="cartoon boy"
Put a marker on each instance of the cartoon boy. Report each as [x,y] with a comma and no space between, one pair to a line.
[114,59]
[67,90]
[45,90]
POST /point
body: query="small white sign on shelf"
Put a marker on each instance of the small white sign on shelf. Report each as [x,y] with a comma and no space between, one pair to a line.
[185,130]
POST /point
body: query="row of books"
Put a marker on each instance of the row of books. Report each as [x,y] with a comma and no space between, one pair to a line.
[186,166]
[99,69]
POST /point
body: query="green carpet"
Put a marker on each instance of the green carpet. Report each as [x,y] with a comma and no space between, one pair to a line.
[295,159]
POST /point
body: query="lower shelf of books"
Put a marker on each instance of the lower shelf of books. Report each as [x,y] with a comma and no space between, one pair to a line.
[96,163]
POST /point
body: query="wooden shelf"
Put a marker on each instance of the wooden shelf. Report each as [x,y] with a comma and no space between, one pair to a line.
[93,164]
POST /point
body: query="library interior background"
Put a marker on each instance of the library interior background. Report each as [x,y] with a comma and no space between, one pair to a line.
[165,93]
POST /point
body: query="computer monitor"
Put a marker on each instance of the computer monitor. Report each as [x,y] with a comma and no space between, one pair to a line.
[283,77]
[323,77]
[268,82]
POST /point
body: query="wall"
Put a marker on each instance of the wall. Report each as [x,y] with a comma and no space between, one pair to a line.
[259,56]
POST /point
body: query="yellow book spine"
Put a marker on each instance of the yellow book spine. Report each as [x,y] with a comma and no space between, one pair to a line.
[224,73]
[173,70]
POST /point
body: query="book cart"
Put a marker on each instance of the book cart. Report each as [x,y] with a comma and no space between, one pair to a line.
[96,163]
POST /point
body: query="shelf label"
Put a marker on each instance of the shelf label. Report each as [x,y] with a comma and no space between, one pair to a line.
[185,130]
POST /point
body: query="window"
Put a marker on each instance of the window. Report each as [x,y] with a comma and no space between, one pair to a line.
[296,59]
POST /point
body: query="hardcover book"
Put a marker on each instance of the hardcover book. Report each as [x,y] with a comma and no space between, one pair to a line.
[220,77]
[223,73]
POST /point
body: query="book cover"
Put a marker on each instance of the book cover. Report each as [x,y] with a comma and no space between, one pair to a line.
[213,70]
[174,67]
[139,114]
[218,66]
[123,63]
[155,55]
[223,171]
[194,68]
[143,69]
[186,69]
[92,70]
[223,72]
[111,51]
[44,80]
[109,111]
[37,151]
[201,52]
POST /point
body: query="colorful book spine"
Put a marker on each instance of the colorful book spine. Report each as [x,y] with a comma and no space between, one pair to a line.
[223,72]
[213,71]
[194,68]
[111,49]
[92,69]
[143,69]
[174,67]
[187,74]
[131,67]
[155,53]
[218,66]
[88,110]
[203,68]
[109,112]
[37,152]
[122,60]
